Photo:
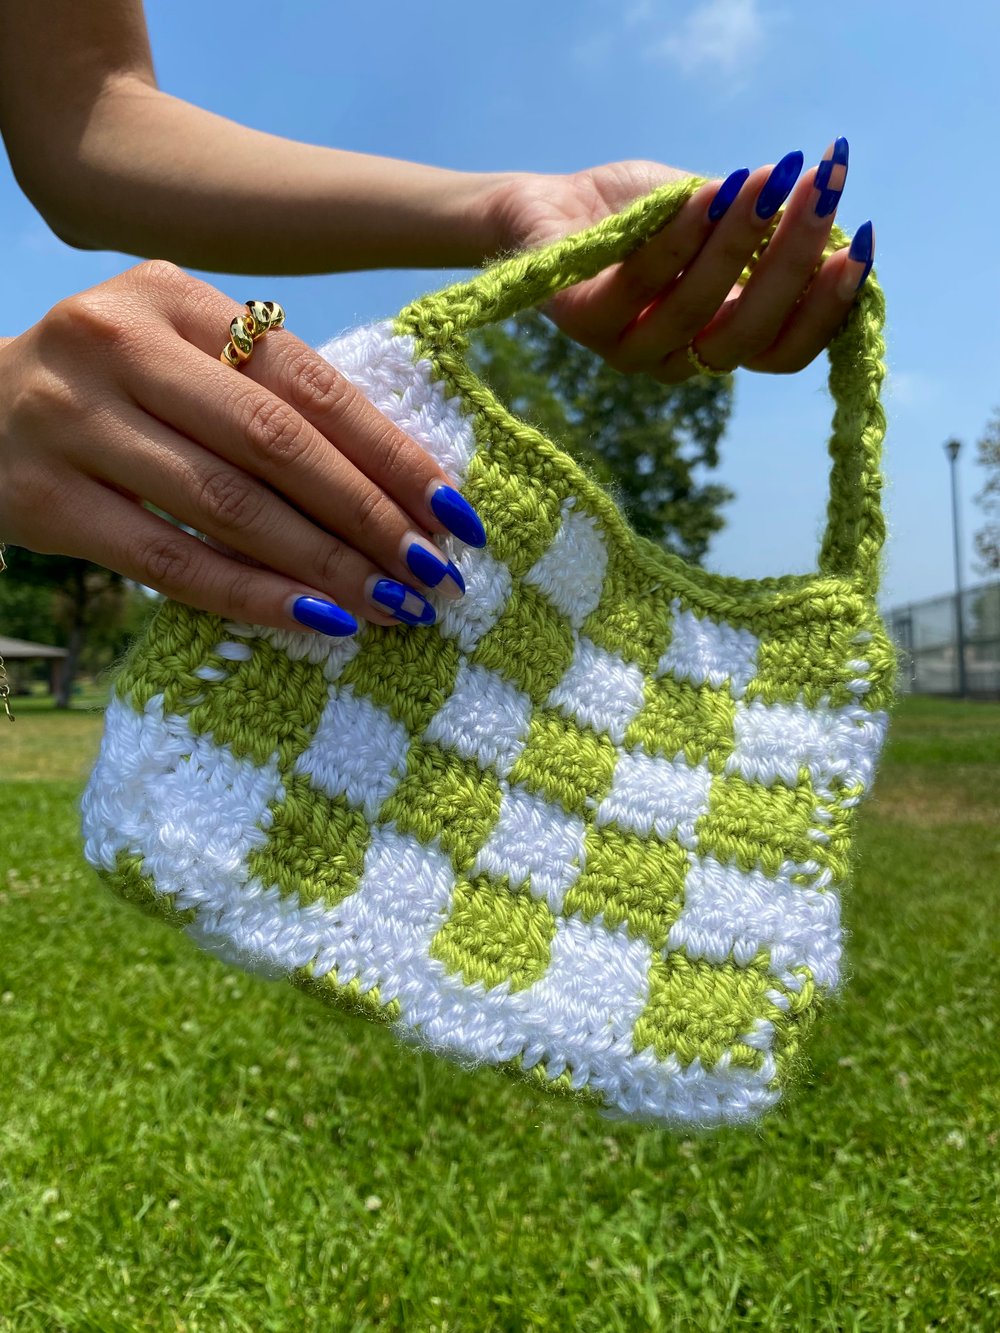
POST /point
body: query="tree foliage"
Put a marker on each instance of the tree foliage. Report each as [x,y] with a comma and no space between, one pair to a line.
[74,604]
[650,443]
[988,457]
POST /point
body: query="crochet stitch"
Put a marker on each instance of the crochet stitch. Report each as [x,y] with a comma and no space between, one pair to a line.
[590,828]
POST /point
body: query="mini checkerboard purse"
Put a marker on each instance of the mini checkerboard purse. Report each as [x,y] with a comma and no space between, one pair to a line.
[590,827]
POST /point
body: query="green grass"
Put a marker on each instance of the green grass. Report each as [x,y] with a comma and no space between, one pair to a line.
[183,1147]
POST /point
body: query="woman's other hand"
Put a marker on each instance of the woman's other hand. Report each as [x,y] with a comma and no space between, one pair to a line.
[118,396]
[681,288]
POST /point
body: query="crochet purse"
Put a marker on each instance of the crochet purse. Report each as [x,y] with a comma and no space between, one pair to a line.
[589,828]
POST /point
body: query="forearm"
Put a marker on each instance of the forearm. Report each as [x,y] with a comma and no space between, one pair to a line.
[152,175]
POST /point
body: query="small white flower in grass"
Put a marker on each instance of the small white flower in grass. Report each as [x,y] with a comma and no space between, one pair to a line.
[254,1071]
[955,1139]
[7,997]
[373,1203]
[173,1204]
[50,1196]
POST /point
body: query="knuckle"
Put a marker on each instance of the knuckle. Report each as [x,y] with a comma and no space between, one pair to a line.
[373,509]
[169,562]
[313,384]
[162,275]
[230,499]
[331,564]
[240,590]
[391,447]
[87,317]
[275,433]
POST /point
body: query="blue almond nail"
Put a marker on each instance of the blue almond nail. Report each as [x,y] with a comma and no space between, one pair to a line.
[458,516]
[862,250]
[324,616]
[778,185]
[392,595]
[727,192]
[431,571]
[829,197]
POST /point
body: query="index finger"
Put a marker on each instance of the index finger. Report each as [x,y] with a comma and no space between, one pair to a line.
[334,407]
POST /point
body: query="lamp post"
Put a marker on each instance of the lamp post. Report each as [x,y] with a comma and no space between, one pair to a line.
[951,449]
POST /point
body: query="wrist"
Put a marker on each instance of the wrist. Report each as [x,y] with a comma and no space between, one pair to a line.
[488,216]
[499,211]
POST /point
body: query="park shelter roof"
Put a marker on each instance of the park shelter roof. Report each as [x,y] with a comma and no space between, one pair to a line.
[14,648]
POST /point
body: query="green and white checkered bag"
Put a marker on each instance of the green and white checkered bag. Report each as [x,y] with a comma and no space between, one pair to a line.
[590,827]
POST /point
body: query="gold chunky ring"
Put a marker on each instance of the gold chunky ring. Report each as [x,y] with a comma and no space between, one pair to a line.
[245,330]
[700,366]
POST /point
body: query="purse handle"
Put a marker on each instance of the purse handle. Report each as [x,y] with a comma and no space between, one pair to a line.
[855,529]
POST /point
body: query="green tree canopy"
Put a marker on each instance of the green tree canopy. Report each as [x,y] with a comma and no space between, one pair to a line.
[650,443]
[57,599]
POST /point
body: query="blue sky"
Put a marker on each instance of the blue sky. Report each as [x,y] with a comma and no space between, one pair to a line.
[705,85]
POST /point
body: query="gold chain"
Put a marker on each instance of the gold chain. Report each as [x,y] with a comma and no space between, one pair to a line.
[4,687]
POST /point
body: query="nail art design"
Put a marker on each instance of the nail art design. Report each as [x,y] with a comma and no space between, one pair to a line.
[400,601]
[778,185]
[830,177]
[862,251]
[456,514]
[324,616]
[727,193]
[431,567]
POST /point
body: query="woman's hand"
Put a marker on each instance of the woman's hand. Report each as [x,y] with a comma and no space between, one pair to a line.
[118,395]
[681,288]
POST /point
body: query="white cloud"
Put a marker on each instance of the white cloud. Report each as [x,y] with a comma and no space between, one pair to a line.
[723,36]
[715,36]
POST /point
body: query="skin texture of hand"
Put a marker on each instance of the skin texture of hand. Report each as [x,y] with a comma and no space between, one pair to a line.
[682,286]
[118,395]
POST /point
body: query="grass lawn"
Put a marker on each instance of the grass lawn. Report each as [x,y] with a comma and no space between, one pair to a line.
[183,1147]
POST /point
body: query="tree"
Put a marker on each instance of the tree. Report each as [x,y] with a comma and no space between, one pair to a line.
[57,599]
[988,457]
[649,442]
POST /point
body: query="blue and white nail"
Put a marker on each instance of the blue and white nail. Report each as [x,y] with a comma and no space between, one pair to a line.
[431,566]
[860,258]
[404,603]
[830,177]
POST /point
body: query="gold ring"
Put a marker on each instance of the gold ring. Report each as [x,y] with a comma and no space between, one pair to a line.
[247,329]
[701,366]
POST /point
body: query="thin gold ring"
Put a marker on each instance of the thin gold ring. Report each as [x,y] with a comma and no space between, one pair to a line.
[702,367]
[247,329]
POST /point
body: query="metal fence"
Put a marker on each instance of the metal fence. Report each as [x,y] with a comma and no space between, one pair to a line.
[928,633]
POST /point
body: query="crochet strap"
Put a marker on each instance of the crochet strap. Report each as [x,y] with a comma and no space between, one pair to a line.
[855,528]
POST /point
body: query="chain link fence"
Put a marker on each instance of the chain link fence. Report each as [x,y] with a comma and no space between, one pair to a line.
[928,634]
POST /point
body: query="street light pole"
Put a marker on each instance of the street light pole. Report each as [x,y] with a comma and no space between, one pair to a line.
[952,448]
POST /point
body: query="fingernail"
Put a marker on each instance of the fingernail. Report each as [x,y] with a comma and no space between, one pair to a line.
[862,251]
[727,192]
[456,513]
[778,185]
[400,601]
[426,561]
[830,177]
[320,614]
